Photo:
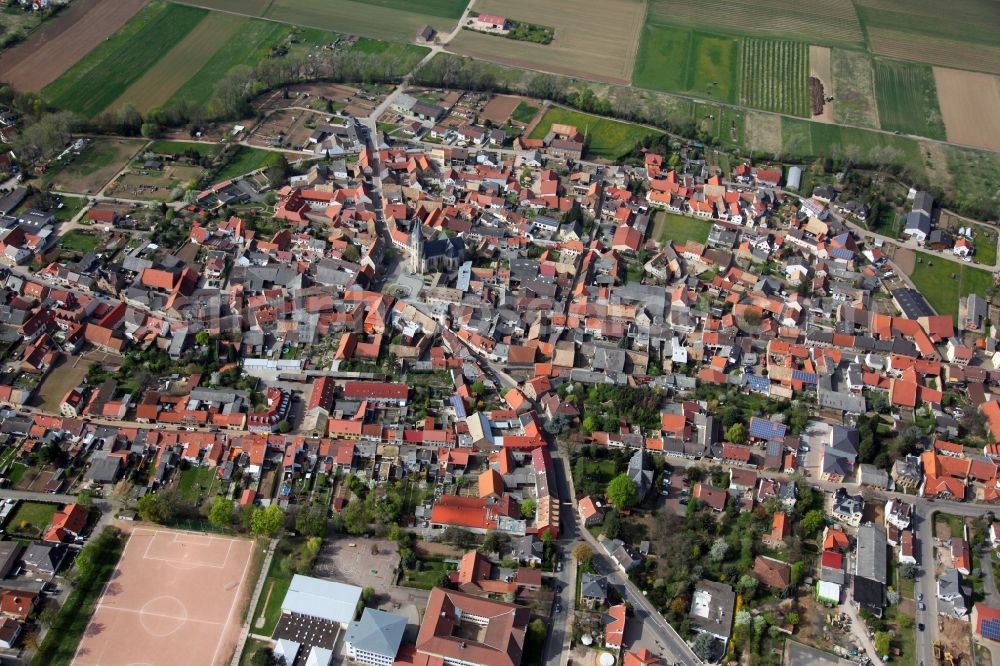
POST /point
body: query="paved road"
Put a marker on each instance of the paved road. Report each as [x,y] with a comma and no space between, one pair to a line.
[674,649]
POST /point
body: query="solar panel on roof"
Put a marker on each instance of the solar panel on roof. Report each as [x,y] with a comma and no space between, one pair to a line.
[765,429]
[803,376]
[991,629]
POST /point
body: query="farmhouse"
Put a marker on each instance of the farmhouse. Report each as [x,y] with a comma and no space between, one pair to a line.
[491,23]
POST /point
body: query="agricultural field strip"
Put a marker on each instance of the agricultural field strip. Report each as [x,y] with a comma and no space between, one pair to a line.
[820,21]
[178,65]
[97,80]
[907,98]
[854,88]
[247,47]
[935,50]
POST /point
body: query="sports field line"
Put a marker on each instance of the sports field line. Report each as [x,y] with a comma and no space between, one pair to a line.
[100,599]
[236,602]
[194,563]
[149,614]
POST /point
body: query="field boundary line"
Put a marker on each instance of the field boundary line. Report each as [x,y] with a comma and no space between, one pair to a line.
[236,602]
[163,615]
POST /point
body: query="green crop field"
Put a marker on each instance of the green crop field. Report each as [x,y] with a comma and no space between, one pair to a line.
[944,282]
[383,20]
[830,22]
[606,138]
[662,60]
[251,44]
[450,9]
[907,98]
[679,60]
[100,77]
[775,76]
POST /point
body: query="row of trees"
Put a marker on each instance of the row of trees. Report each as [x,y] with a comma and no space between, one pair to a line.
[166,506]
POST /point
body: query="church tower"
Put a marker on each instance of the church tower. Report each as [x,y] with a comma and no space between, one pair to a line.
[417,247]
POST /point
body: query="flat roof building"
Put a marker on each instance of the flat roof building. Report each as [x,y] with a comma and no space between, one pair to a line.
[324,599]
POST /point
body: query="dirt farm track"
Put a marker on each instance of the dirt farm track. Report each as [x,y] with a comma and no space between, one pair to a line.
[59,43]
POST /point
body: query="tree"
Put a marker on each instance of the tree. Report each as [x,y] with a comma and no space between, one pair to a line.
[909,571]
[85,499]
[589,424]
[737,434]
[612,525]
[746,585]
[812,522]
[792,618]
[494,542]
[537,631]
[528,507]
[796,573]
[221,511]
[622,493]
[718,550]
[312,521]
[267,520]
[48,615]
[202,337]
[155,507]
[264,656]
[882,642]
[703,646]
[583,554]
[352,253]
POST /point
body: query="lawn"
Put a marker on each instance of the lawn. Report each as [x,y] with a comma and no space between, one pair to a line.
[427,574]
[195,483]
[31,518]
[80,241]
[176,148]
[609,139]
[524,113]
[100,77]
[243,161]
[907,98]
[15,473]
[279,577]
[985,245]
[944,282]
[803,138]
[680,228]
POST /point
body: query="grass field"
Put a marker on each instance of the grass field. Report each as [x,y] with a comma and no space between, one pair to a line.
[808,139]
[679,229]
[974,173]
[985,245]
[243,161]
[854,88]
[105,73]
[524,113]
[383,20]
[662,60]
[713,66]
[818,21]
[943,282]
[94,167]
[775,76]
[606,138]
[176,148]
[907,98]
[79,241]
